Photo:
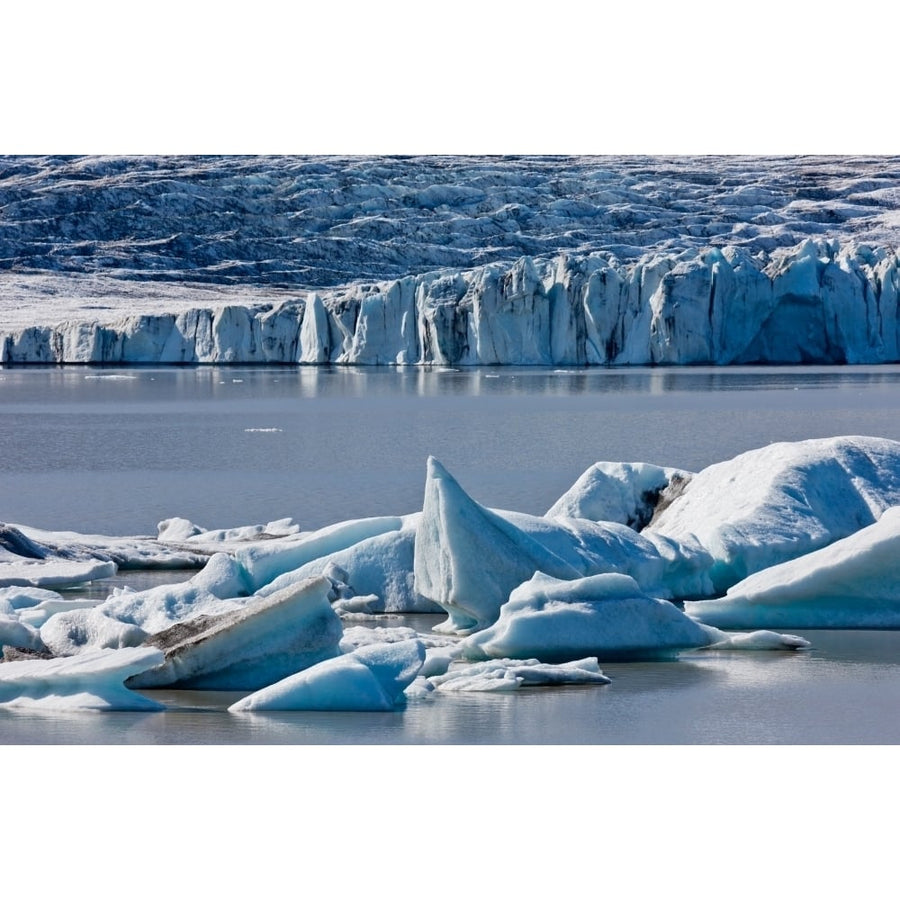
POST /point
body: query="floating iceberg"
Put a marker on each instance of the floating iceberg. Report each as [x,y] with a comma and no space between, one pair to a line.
[27,562]
[249,648]
[378,568]
[606,616]
[852,583]
[371,678]
[782,501]
[468,558]
[91,680]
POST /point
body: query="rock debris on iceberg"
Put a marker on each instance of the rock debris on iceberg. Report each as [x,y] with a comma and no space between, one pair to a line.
[799,535]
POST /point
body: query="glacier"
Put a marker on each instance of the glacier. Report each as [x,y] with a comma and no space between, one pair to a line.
[449,260]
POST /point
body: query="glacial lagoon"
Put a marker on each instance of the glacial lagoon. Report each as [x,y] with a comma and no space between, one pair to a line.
[114,451]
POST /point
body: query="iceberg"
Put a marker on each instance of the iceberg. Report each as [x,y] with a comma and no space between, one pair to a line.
[468,558]
[852,583]
[370,678]
[28,563]
[89,681]
[605,616]
[780,502]
[378,568]
[251,647]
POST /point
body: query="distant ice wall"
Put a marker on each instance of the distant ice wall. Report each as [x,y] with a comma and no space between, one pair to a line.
[821,302]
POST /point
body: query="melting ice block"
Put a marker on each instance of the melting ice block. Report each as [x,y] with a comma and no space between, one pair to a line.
[249,648]
[779,502]
[91,680]
[371,678]
[853,583]
[606,616]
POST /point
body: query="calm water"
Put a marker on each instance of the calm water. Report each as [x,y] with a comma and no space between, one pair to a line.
[115,451]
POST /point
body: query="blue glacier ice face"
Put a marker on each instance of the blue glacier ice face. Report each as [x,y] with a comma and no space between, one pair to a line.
[449,260]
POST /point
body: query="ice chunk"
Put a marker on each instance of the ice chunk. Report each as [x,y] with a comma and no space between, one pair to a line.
[759,640]
[468,558]
[509,674]
[266,561]
[246,649]
[607,616]
[380,566]
[372,677]
[25,562]
[617,492]
[92,680]
[777,503]
[125,552]
[853,583]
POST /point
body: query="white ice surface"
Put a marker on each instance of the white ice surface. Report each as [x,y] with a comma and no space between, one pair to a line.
[607,616]
[616,492]
[91,680]
[510,674]
[370,678]
[852,583]
[82,630]
[781,501]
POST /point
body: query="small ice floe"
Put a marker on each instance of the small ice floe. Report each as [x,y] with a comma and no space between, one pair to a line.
[371,678]
[93,680]
[262,430]
[110,377]
[510,674]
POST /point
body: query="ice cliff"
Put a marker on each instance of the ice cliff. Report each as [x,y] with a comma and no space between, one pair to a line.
[449,261]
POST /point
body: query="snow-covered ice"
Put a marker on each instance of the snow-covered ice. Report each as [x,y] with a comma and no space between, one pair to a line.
[852,583]
[370,678]
[89,681]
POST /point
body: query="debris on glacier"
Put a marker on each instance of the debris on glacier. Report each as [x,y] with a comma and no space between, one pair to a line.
[371,678]
[779,502]
[89,681]
[251,647]
[852,583]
